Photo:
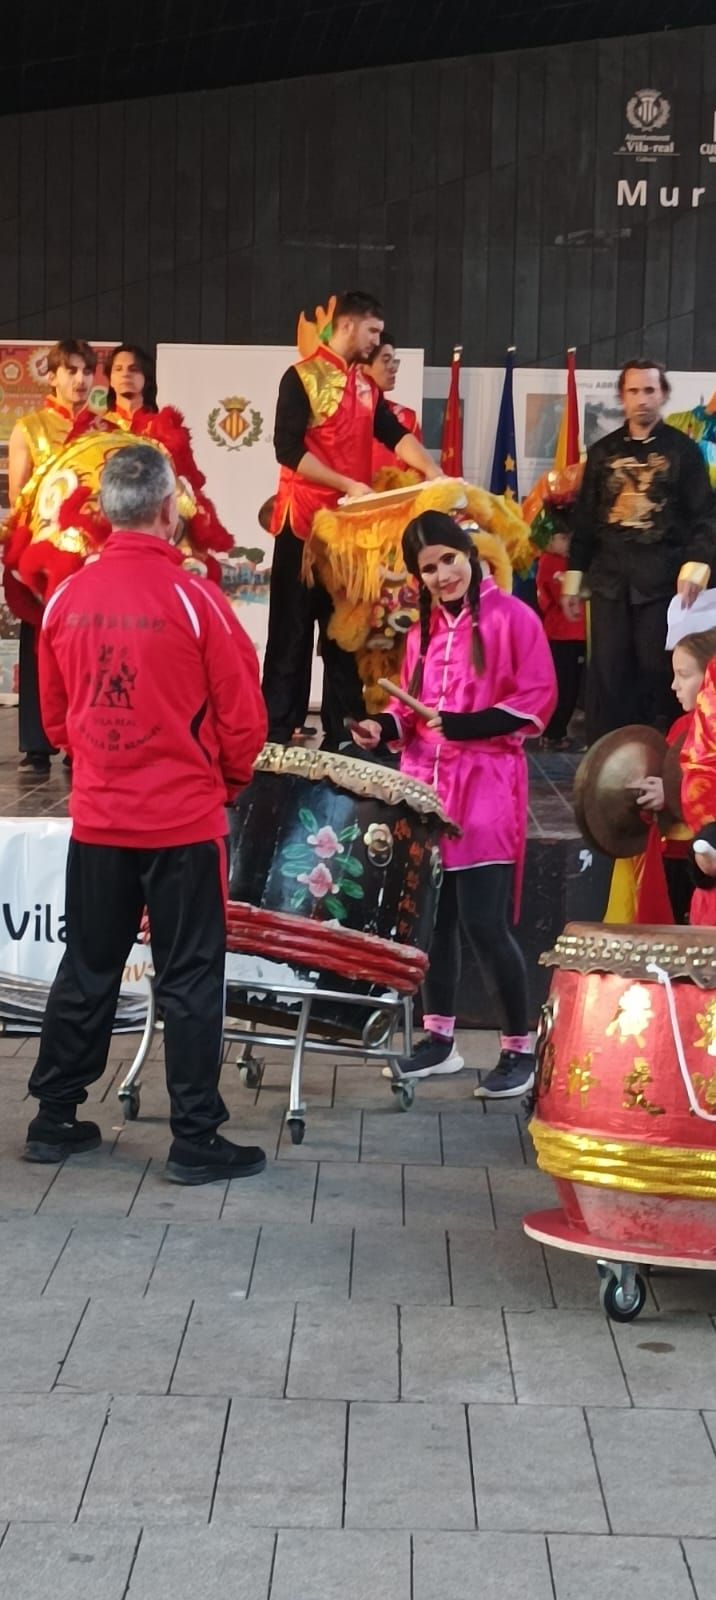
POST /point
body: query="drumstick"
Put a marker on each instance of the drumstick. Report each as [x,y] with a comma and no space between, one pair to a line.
[427,712]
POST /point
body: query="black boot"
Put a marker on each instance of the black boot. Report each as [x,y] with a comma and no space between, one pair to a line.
[53,1135]
[213,1161]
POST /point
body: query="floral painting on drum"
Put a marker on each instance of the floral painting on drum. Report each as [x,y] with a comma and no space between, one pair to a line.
[325,872]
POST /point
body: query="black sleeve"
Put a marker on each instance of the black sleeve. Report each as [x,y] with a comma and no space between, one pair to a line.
[586,514]
[389,726]
[293,415]
[386,426]
[697,502]
[459,725]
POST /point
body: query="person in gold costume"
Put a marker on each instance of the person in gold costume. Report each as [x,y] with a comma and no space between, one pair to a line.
[34,439]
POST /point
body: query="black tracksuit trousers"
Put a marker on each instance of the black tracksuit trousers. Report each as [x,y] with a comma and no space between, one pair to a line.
[108,886]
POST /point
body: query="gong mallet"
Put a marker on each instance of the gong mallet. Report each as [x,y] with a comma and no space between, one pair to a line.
[428,713]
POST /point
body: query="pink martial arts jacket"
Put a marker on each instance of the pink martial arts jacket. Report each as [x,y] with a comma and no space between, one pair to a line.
[482,783]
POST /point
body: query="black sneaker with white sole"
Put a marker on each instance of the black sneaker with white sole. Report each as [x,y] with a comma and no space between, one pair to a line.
[212,1161]
[50,1138]
[434,1057]
[513,1076]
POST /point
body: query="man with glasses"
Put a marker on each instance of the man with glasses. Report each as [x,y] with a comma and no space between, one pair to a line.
[382,367]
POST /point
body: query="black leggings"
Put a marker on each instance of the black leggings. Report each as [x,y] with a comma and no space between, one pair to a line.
[477,902]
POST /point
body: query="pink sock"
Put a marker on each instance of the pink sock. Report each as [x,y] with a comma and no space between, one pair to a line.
[443,1026]
[519,1042]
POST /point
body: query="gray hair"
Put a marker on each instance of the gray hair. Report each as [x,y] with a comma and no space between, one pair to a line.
[135,481]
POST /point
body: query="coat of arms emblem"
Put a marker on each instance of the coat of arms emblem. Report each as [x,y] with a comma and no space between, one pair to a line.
[239,426]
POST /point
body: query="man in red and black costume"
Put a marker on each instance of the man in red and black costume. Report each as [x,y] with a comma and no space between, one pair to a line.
[327,416]
[35,438]
[383,366]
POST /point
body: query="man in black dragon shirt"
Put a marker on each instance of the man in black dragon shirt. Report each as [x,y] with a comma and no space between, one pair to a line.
[644,526]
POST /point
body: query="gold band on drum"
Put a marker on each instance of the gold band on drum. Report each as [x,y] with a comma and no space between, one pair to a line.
[366,779]
[628,951]
[613,1164]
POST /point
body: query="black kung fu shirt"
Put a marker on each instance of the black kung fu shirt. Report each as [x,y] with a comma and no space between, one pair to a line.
[645,507]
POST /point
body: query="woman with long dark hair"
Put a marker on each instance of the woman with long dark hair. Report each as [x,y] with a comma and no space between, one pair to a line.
[132,381]
[480,658]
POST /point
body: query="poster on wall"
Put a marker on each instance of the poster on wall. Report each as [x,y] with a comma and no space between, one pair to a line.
[23,388]
[228,396]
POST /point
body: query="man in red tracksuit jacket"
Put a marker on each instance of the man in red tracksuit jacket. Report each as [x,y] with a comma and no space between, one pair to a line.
[150,684]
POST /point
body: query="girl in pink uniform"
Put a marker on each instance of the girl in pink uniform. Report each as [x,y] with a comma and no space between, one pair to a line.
[481,659]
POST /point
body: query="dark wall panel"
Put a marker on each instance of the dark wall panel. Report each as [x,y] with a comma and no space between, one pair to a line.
[477,197]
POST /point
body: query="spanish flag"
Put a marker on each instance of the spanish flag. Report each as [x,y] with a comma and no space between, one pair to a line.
[451,445]
[568,452]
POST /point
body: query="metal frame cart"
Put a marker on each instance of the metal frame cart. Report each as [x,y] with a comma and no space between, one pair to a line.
[314,1016]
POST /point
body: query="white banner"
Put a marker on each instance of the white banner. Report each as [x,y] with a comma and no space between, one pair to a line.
[33,856]
[33,859]
[228,394]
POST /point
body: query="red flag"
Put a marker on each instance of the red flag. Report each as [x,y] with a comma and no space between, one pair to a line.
[567,452]
[451,446]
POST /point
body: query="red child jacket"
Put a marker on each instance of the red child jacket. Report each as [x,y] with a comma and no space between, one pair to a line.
[550,572]
[149,682]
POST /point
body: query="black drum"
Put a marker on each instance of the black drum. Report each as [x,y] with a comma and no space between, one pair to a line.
[340,841]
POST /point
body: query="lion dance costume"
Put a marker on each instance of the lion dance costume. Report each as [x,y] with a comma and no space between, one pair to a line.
[57,522]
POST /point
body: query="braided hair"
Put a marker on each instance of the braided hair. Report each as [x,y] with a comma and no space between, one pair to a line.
[436,527]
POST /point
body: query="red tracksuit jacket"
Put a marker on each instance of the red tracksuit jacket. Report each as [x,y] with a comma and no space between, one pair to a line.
[148,680]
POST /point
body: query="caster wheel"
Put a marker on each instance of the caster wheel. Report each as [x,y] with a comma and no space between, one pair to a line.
[620,1305]
[297,1129]
[404,1094]
[251,1074]
[130,1105]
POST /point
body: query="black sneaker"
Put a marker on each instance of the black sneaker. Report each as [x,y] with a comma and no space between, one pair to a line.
[433,1057]
[212,1162]
[513,1076]
[51,1139]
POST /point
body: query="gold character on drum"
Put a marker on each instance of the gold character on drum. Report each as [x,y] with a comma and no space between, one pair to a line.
[579,1076]
[634,1089]
[634,1013]
[706,1020]
[706,1090]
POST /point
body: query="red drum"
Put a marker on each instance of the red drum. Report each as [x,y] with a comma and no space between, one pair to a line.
[625,1113]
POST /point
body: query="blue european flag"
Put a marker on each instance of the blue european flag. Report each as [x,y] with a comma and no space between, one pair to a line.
[503,478]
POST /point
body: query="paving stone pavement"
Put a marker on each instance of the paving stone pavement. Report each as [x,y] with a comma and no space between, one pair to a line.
[352,1378]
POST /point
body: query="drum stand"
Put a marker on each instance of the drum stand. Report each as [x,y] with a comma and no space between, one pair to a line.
[386,1015]
[622,1287]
